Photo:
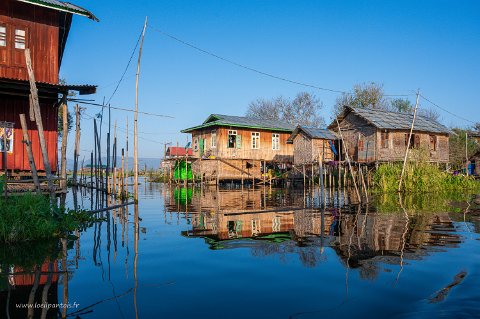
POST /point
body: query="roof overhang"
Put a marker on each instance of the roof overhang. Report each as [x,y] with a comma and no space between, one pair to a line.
[62,6]
[22,88]
[219,124]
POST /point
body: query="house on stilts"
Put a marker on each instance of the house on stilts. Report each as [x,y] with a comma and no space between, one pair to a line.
[311,145]
[374,136]
[43,27]
[239,148]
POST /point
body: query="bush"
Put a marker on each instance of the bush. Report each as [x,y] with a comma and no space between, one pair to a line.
[32,217]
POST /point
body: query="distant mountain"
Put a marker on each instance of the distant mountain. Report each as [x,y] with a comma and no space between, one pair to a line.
[142,161]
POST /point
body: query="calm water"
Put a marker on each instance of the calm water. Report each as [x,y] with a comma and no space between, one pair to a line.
[261,253]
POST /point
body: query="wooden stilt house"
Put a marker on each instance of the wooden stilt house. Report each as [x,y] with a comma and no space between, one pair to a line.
[43,27]
[235,148]
[372,135]
[312,145]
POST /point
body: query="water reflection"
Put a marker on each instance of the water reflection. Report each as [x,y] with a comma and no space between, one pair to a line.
[179,242]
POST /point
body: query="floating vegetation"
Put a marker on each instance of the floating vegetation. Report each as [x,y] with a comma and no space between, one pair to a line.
[31,217]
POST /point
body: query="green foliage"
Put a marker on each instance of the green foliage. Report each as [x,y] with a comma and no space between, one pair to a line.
[420,177]
[31,217]
[401,105]
[28,254]
[457,148]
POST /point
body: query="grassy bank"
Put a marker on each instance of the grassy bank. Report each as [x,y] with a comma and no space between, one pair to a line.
[31,217]
[420,177]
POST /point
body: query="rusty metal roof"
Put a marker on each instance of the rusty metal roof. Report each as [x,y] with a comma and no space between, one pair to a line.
[394,120]
[62,6]
[243,122]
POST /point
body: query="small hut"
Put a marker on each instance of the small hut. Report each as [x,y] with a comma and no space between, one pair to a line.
[474,164]
[373,135]
[312,145]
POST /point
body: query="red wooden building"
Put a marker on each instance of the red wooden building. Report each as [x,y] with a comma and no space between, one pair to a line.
[43,27]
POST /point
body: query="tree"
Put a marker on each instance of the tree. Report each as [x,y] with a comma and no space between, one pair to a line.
[60,113]
[302,110]
[401,105]
[429,114]
[368,95]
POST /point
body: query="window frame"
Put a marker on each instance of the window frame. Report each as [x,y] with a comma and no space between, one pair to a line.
[5,35]
[213,139]
[232,133]
[24,37]
[275,141]
[385,140]
[255,140]
[433,142]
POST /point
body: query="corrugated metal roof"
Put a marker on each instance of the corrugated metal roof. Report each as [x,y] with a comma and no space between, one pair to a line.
[396,121]
[242,121]
[312,132]
[62,6]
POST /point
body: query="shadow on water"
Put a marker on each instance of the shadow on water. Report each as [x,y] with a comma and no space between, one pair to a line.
[189,243]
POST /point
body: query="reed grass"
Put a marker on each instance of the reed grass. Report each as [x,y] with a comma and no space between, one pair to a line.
[420,177]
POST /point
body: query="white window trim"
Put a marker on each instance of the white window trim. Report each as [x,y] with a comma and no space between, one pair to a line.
[275,138]
[255,136]
[213,142]
[3,37]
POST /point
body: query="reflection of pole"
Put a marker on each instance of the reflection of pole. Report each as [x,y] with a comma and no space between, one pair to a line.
[135,260]
[5,169]
[65,277]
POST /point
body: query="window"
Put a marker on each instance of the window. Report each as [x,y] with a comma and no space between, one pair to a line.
[195,144]
[361,146]
[433,142]
[20,39]
[384,140]
[232,139]
[255,140]
[414,141]
[275,142]
[214,139]
[3,36]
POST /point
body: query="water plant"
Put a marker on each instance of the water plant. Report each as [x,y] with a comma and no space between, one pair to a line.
[31,217]
[420,177]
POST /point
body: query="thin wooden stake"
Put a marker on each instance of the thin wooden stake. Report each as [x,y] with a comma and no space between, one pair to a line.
[135,120]
[77,143]
[408,143]
[31,159]
[63,154]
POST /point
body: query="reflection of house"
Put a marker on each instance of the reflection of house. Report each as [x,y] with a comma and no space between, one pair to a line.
[21,283]
[373,135]
[312,145]
[234,147]
[43,27]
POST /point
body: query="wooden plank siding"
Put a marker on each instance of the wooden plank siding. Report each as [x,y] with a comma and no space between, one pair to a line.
[245,150]
[366,143]
[309,150]
[42,37]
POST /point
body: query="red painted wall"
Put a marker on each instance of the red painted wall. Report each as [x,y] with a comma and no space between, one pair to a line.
[10,109]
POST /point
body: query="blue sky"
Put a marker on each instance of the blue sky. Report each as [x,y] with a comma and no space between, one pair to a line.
[431,45]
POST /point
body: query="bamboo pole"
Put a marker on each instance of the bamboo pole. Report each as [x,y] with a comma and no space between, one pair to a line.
[114,164]
[135,121]
[63,172]
[76,150]
[38,120]
[466,152]
[408,142]
[31,159]
[5,159]
[126,156]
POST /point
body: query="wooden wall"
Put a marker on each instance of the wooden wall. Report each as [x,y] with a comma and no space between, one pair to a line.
[265,152]
[364,143]
[228,169]
[10,109]
[42,30]
[307,150]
